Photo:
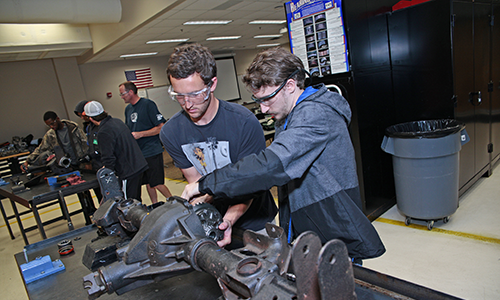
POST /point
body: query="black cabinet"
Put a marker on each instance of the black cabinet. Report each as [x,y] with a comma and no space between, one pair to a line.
[472,51]
[441,60]
[435,60]
[494,85]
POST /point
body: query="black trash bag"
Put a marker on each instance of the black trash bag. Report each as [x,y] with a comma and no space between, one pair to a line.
[425,129]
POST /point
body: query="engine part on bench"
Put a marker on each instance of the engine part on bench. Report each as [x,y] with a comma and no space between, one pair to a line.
[102,251]
[324,270]
[60,159]
[259,270]
[59,164]
[109,184]
[131,214]
[146,244]
[19,188]
[151,253]
[119,219]
[210,220]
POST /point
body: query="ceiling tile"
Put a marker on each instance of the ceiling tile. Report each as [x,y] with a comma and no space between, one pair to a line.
[169,26]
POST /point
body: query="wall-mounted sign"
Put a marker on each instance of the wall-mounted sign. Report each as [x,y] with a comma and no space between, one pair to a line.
[317,35]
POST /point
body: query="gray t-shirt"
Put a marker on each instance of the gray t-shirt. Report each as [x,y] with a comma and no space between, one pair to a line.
[233,134]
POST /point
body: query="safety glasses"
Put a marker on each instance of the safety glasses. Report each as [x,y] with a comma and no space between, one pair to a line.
[265,99]
[194,98]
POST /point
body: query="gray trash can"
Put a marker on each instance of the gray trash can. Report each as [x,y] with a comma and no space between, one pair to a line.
[426,167]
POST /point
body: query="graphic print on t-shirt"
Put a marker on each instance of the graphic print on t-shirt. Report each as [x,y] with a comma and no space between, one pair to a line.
[133,117]
[208,156]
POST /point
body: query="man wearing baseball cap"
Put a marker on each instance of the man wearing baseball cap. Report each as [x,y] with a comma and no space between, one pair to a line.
[119,150]
[91,131]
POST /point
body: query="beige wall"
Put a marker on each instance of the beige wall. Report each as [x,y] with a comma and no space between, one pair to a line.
[70,85]
[30,88]
[100,78]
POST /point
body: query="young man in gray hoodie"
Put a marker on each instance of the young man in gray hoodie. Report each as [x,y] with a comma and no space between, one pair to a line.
[311,159]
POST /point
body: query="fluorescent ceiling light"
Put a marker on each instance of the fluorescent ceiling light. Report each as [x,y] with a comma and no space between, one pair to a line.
[167,41]
[214,22]
[217,38]
[138,54]
[270,36]
[267,22]
[268,45]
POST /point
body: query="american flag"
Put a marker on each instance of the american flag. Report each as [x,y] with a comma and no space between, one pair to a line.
[142,77]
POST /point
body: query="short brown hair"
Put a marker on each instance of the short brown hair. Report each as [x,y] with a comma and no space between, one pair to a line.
[272,67]
[192,58]
[129,86]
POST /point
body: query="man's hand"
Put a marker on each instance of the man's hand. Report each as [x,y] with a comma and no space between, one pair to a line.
[190,191]
[227,227]
[150,132]
[201,199]
[137,135]
[24,167]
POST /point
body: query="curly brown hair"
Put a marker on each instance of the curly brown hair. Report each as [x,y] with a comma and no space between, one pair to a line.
[272,67]
[192,58]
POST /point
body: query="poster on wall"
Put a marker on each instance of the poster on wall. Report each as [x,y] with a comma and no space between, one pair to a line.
[317,35]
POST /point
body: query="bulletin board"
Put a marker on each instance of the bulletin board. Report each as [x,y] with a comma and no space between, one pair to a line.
[317,35]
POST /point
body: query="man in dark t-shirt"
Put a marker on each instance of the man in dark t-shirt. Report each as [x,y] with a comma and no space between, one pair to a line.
[208,134]
[145,121]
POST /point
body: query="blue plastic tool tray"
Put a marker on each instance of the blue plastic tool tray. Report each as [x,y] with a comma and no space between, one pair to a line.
[41,267]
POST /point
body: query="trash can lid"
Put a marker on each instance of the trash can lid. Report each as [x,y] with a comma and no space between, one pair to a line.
[425,128]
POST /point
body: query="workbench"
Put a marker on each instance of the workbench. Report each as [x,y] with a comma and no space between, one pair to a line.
[43,195]
[195,285]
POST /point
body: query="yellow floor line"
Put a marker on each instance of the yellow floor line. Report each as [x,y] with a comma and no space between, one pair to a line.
[176,180]
[450,232]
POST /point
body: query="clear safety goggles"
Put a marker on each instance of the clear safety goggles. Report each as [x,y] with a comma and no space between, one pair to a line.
[194,98]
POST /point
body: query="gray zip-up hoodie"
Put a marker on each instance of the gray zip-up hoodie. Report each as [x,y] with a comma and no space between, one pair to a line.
[312,161]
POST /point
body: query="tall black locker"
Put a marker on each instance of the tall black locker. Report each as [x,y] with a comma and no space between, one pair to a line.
[434,60]
[472,60]
[494,84]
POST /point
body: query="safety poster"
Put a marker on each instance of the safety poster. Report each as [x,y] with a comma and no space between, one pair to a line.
[317,35]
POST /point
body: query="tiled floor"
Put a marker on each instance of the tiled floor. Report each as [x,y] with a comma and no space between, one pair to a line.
[461,258]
